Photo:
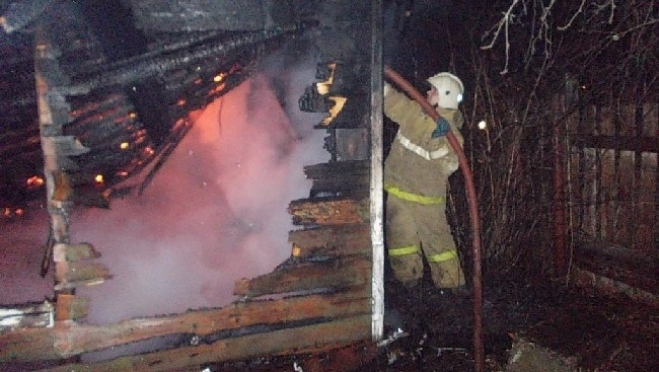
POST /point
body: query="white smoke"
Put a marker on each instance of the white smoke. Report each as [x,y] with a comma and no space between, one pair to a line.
[216,211]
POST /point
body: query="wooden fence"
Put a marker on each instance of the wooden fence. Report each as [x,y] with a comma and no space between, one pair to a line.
[612,196]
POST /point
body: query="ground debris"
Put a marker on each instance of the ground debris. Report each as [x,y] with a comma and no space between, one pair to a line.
[527,356]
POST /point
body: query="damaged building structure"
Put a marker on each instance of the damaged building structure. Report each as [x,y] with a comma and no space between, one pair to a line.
[97,98]
[107,76]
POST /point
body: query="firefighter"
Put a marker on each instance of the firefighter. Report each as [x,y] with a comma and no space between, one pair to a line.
[415,175]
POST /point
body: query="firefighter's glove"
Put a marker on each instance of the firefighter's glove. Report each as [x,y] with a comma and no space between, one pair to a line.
[442,128]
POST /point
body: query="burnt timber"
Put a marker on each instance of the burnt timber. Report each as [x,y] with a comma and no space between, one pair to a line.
[320,299]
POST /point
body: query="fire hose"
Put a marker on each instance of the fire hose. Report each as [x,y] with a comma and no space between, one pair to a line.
[479,351]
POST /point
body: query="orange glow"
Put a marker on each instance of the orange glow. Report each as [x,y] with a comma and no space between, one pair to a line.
[99,179]
[180,102]
[124,145]
[122,174]
[19,212]
[296,250]
[217,89]
[149,151]
[219,78]
[7,212]
[132,115]
[34,182]
[198,81]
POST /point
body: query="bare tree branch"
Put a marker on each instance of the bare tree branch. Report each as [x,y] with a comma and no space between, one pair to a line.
[505,20]
[574,16]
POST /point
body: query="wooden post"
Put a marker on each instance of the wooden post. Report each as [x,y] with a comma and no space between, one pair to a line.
[560,261]
[656,187]
[376,197]
[637,208]
[53,114]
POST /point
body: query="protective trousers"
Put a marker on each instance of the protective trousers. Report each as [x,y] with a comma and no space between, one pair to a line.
[413,229]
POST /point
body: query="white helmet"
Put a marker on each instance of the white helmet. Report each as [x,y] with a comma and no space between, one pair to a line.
[449,88]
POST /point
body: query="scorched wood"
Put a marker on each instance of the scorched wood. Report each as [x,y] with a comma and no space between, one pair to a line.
[315,338]
[332,274]
[70,307]
[341,178]
[331,241]
[329,212]
[69,338]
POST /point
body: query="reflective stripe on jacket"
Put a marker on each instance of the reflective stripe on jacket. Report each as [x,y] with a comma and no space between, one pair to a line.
[416,198]
[428,155]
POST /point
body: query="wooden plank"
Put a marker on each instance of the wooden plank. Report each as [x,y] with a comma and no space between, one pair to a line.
[80,273]
[331,241]
[29,316]
[656,187]
[71,307]
[81,251]
[376,175]
[342,178]
[635,269]
[313,338]
[623,143]
[329,212]
[337,169]
[330,274]
[608,286]
[347,186]
[68,339]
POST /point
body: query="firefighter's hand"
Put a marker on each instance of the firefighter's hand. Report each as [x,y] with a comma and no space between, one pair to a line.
[442,128]
[312,101]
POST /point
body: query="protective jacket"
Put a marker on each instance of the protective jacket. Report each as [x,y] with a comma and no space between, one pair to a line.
[416,174]
[417,163]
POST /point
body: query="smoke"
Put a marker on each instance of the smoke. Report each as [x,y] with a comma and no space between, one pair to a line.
[216,211]
[21,250]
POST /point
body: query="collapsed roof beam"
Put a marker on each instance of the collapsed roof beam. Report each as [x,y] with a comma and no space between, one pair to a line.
[146,66]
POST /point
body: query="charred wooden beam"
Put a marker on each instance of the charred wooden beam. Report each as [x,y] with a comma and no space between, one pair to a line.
[329,211]
[141,68]
[68,339]
[342,178]
[338,168]
[168,16]
[331,241]
[315,338]
[331,274]
[53,113]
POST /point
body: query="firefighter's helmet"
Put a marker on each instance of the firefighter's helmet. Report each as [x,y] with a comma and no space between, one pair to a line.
[449,88]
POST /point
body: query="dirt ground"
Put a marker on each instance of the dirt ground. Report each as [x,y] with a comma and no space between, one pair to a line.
[531,328]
